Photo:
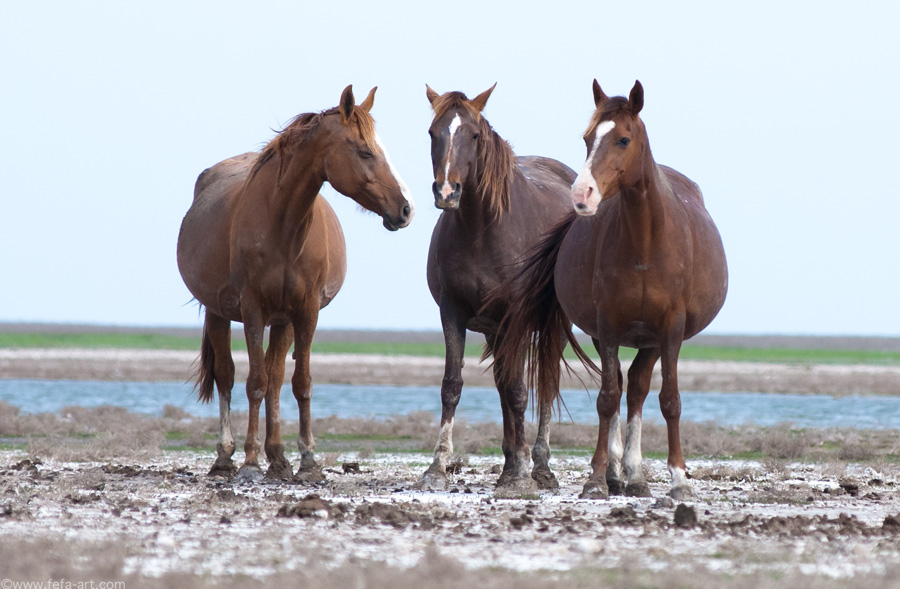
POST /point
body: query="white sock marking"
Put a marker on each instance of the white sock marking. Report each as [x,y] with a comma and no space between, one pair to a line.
[633,456]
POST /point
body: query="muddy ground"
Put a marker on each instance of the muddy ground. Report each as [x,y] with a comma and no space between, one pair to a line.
[101,495]
[752,524]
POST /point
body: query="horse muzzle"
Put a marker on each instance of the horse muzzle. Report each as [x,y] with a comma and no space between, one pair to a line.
[446,195]
[393,223]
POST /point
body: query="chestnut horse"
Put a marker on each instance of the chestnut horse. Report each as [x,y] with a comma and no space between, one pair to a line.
[495,206]
[261,246]
[640,265]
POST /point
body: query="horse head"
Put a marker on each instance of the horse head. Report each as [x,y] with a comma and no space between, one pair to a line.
[616,147]
[455,133]
[358,166]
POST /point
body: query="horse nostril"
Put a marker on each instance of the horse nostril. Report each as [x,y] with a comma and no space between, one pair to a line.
[406,212]
[436,189]
[457,188]
[581,206]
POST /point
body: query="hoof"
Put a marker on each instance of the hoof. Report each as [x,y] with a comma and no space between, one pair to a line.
[682,493]
[545,479]
[432,480]
[517,484]
[616,487]
[280,470]
[637,490]
[594,490]
[309,476]
[224,469]
[249,474]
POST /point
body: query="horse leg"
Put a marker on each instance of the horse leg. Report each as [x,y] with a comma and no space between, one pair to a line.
[670,404]
[279,341]
[435,478]
[608,399]
[514,401]
[301,383]
[254,332]
[218,331]
[638,386]
[541,451]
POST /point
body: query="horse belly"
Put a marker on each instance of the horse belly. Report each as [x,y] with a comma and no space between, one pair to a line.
[204,239]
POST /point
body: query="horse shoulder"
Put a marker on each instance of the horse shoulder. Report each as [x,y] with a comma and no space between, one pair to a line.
[326,239]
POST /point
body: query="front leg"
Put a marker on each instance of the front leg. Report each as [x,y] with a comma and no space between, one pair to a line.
[280,337]
[254,331]
[638,386]
[670,404]
[513,400]
[304,328]
[608,399]
[435,478]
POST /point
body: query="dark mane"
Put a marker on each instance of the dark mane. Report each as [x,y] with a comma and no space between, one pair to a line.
[606,111]
[495,156]
[300,128]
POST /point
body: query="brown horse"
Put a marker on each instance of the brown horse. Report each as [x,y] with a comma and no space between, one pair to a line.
[259,245]
[495,206]
[641,265]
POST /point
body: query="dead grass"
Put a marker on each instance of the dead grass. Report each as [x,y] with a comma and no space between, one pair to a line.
[105,433]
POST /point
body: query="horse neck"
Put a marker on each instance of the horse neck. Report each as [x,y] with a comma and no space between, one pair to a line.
[645,205]
[287,191]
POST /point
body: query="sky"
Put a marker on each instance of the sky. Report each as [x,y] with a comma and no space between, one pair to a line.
[785,114]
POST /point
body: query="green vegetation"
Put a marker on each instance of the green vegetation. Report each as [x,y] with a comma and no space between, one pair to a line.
[140,340]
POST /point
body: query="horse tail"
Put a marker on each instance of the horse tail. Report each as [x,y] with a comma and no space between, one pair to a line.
[205,370]
[534,316]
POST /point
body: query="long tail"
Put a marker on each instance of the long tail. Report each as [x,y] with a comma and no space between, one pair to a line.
[536,317]
[205,376]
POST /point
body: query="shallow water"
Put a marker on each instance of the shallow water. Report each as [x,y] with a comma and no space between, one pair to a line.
[476,404]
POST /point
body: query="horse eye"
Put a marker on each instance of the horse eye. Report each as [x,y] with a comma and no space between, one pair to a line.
[365,154]
[623,142]
[475,136]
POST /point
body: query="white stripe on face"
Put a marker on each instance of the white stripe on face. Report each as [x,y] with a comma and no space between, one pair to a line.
[446,190]
[404,190]
[585,190]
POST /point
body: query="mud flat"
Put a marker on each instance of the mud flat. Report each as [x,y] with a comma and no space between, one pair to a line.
[161,519]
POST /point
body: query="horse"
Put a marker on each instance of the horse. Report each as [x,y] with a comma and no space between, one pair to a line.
[260,245]
[638,263]
[494,205]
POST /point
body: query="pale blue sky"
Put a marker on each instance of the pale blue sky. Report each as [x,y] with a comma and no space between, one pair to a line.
[785,113]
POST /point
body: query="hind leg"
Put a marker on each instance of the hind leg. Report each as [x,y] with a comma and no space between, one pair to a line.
[514,400]
[435,478]
[218,330]
[541,472]
[638,386]
[280,338]
[301,383]
[670,404]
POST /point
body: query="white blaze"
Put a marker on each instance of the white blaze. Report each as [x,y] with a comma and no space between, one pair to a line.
[585,190]
[446,189]
[404,190]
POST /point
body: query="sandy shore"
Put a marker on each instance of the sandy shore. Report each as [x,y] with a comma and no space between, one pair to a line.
[169,365]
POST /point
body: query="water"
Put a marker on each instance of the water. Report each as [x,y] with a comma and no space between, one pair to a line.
[476,405]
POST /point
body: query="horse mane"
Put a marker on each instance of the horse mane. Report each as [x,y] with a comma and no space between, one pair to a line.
[495,155]
[301,128]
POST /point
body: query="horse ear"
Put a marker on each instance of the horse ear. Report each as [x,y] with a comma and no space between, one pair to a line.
[599,96]
[347,103]
[431,94]
[479,101]
[636,98]
[366,104]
